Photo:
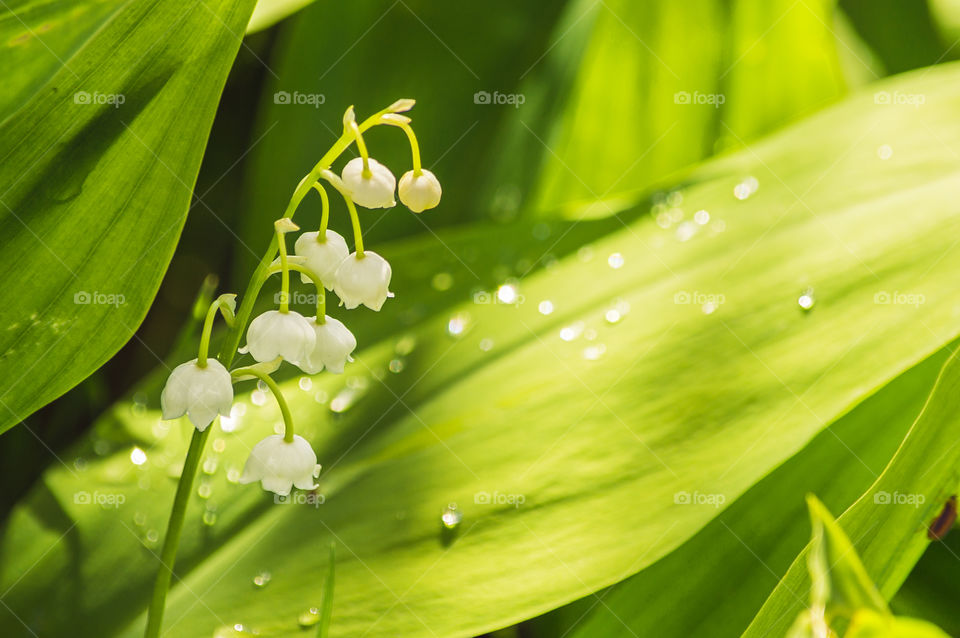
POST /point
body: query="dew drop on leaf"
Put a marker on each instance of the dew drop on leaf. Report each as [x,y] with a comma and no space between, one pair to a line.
[807,300]
[262,579]
[615,261]
[442,281]
[451,516]
[309,618]
[545,307]
[305,383]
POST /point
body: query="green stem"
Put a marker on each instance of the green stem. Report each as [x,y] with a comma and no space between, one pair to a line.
[284,271]
[414,147]
[228,351]
[223,303]
[325,215]
[317,283]
[338,184]
[275,389]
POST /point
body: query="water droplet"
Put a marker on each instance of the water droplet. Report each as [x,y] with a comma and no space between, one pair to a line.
[702,217]
[458,324]
[396,366]
[209,518]
[139,519]
[594,352]
[204,490]
[585,253]
[746,188]
[442,281]
[571,332]
[884,152]
[80,464]
[806,300]
[663,220]
[451,516]
[507,293]
[210,465]
[262,579]
[305,383]
[219,444]
[615,261]
[138,456]
[709,307]
[486,344]
[686,230]
[233,475]
[321,396]
[545,307]
[309,618]
[344,400]
[613,316]
[258,397]
[674,198]
[151,537]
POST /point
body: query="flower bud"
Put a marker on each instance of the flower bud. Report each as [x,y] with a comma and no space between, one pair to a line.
[363,280]
[321,257]
[374,190]
[420,192]
[200,393]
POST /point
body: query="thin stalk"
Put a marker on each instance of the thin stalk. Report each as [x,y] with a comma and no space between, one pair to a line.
[275,389]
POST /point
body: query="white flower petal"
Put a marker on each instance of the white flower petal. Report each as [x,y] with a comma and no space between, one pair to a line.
[200,393]
[420,192]
[363,280]
[370,191]
[322,257]
[280,334]
[278,465]
[335,343]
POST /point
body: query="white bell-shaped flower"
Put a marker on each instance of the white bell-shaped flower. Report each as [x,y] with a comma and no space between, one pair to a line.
[321,257]
[279,465]
[370,191]
[363,280]
[335,343]
[280,334]
[200,393]
[420,192]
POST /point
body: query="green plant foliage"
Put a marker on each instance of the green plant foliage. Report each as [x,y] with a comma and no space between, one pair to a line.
[890,520]
[571,460]
[99,165]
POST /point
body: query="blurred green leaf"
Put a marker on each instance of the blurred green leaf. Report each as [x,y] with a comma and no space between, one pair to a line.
[575,459]
[96,181]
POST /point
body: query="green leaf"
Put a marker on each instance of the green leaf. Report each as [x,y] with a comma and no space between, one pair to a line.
[579,453]
[890,520]
[96,181]
[755,540]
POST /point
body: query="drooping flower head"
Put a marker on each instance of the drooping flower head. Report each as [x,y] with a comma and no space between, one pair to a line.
[420,192]
[200,393]
[363,279]
[371,188]
[322,257]
[280,334]
[279,465]
[335,343]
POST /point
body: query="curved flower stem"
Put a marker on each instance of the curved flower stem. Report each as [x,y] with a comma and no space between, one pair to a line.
[403,123]
[228,351]
[325,215]
[318,284]
[275,389]
[338,184]
[282,227]
[362,148]
[225,304]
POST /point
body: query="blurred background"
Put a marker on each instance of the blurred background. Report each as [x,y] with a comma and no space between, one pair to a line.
[540,110]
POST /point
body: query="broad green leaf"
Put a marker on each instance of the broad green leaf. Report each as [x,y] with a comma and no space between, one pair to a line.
[269,12]
[662,85]
[95,184]
[571,453]
[754,540]
[931,590]
[889,522]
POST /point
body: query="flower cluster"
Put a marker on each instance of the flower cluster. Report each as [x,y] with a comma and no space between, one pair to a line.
[202,388]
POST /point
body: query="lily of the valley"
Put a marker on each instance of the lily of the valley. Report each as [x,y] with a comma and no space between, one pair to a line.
[200,393]
[335,343]
[363,279]
[371,188]
[279,465]
[321,257]
[280,334]
[420,191]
